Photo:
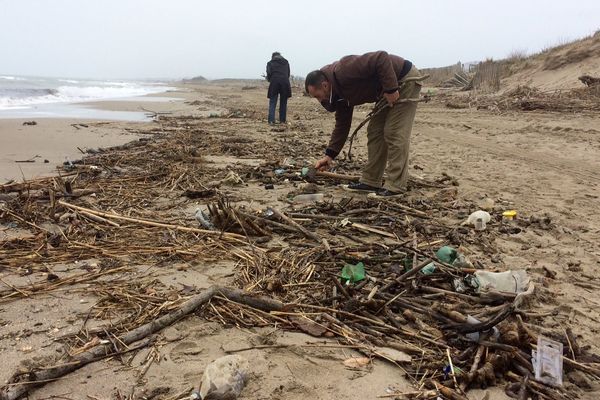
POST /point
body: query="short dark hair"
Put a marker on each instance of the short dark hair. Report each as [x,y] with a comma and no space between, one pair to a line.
[314,78]
[275,54]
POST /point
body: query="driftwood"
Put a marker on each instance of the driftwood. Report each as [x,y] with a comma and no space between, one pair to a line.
[266,221]
[296,225]
[446,391]
[486,325]
[231,220]
[88,211]
[312,173]
[21,383]
[40,183]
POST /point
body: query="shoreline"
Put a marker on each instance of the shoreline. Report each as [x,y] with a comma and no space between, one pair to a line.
[55,139]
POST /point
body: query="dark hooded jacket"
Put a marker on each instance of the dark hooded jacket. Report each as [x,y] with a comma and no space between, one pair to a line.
[278,75]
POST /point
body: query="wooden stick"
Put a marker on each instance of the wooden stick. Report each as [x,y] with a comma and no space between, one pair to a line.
[296,225]
[485,325]
[575,349]
[151,223]
[317,216]
[266,221]
[367,228]
[413,271]
[336,176]
[97,218]
[455,294]
[451,367]
[474,366]
[446,391]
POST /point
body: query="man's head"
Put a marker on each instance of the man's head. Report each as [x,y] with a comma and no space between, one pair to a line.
[275,54]
[317,86]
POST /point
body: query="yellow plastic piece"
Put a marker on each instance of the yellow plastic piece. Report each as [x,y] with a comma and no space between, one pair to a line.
[509,214]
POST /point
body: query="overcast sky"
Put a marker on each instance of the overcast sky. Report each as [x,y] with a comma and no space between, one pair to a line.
[221,38]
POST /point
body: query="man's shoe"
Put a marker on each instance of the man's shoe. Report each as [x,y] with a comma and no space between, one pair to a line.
[385,193]
[361,187]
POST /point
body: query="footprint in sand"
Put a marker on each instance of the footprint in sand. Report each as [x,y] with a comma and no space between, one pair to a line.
[185,351]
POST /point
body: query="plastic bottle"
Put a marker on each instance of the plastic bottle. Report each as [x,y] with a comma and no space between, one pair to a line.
[428,269]
[308,198]
[447,254]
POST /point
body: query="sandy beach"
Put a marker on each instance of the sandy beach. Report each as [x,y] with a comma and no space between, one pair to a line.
[204,203]
[211,201]
[546,173]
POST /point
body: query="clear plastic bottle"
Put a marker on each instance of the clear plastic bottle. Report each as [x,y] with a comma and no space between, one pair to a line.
[308,198]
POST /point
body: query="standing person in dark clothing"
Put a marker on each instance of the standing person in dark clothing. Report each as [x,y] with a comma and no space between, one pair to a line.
[369,78]
[278,75]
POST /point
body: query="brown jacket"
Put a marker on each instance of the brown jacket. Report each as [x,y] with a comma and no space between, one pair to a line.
[358,80]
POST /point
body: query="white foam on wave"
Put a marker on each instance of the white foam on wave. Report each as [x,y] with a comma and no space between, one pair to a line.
[11,78]
[68,80]
[76,94]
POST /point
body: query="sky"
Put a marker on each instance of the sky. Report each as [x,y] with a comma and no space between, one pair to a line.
[135,39]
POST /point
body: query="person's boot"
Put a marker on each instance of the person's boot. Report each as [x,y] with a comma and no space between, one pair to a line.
[386,194]
[361,187]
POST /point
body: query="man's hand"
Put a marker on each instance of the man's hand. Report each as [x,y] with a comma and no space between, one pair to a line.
[323,163]
[392,97]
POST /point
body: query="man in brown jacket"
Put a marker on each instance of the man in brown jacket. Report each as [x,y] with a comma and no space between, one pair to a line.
[355,80]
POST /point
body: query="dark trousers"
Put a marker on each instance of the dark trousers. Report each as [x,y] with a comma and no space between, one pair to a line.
[282,108]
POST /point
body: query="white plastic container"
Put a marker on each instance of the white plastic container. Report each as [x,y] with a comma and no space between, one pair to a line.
[479,219]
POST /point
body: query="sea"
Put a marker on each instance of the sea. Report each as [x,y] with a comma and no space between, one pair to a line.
[26,96]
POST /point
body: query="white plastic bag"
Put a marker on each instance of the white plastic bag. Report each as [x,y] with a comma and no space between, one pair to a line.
[515,281]
[225,374]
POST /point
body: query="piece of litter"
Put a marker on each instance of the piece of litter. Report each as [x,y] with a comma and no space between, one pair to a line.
[392,354]
[547,361]
[357,362]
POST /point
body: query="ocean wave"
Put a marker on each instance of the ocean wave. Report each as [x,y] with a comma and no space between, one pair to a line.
[12,97]
[11,78]
[68,81]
